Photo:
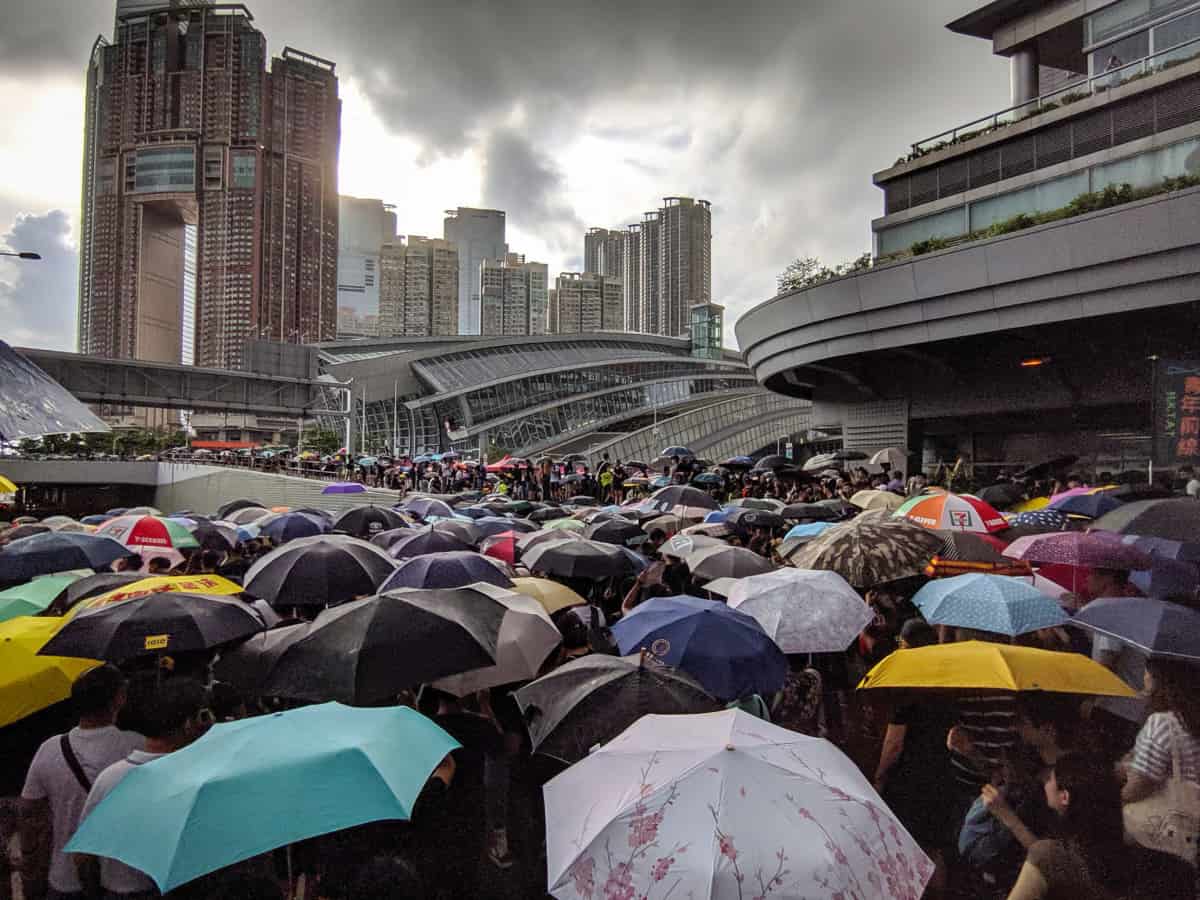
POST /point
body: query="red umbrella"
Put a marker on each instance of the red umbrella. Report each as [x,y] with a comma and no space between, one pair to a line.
[501,546]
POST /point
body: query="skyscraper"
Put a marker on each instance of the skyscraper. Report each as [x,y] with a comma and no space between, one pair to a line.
[650,243]
[513,296]
[631,288]
[418,293]
[587,302]
[364,226]
[184,126]
[603,251]
[478,234]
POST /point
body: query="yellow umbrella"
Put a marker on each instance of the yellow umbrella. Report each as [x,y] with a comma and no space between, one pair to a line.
[6,486]
[871,499]
[28,682]
[193,584]
[979,665]
[550,594]
[1032,505]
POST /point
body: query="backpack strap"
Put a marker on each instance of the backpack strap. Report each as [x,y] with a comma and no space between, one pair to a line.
[68,753]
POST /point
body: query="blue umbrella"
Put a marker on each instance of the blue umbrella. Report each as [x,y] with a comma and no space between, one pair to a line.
[451,569]
[1155,546]
[996,603]
[474,512]
[57,551]
[707,478]
[248,532]
[1091,506]
[725,650]
[1167,578]
[295,525]
[808,530]
[1041,520]
[95,520]
[718,515]
[1156,627]
[253,785]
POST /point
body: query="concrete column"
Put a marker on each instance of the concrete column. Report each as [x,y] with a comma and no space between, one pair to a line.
[1024,74]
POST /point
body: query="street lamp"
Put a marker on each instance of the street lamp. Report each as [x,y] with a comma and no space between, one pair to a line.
[23,254]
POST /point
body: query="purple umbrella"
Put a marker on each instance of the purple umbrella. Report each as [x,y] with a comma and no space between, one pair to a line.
[344,487]
[427,541]
[1094,549]
[447,570]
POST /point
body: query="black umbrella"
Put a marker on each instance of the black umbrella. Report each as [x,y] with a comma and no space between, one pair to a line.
[56,551]
[292,525]
[318,571]
[20,532]
[460,528]
[548,514]
[1042,469]
[457,568]
[968,546]
[427,540]
[385,539]
[90,586]
[1175,520]
[591,700]
[580,559]
[423,507]
[369,650]
[493,525]
[475,512]
[772,462]
[582,500]
[666,499]
[814,512]
[248,665]
[709,563]
[233,506]
[213,536]
[754,518]
[165,622]
[364,521]
[1002,495]
[616,530]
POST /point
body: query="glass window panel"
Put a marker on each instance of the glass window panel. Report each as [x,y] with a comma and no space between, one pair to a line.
[951,223]
[1177,31]
[1147,169]
[1034,199]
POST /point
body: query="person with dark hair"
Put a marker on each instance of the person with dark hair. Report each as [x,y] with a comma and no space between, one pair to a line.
[383,878]
[175,719]
[158,565]
[60,777]
[1173,728]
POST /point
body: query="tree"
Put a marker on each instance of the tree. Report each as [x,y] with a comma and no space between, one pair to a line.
[808,271]
[323,440]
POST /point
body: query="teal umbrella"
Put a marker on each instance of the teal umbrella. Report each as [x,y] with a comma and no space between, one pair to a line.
[253,785]
[33,597]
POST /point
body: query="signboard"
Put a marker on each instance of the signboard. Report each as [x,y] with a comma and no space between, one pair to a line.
[1177,413]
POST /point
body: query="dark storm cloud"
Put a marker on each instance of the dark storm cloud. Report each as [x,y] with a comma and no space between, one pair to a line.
[524,182]
[51,36]
[37,298]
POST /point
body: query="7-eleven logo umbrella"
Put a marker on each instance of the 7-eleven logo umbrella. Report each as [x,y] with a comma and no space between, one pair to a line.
[953,512]
[148,531]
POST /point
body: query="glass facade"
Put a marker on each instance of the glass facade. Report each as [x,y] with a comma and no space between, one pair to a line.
[1126,16]
[1119,36]
[165,169]
[951,223]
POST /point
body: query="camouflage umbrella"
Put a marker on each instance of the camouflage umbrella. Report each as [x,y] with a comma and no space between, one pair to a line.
[869,552]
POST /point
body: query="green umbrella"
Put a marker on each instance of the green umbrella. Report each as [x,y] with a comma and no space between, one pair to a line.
[564,525]
[33,597]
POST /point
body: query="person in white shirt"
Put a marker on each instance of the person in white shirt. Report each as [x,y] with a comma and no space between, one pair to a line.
[60,777]
[176,717]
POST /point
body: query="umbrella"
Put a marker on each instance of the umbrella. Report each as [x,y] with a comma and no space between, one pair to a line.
[1167,578]
[475,512]
[877,500]
[1155,627]
[455,568]
[19,532]
[725,650]
[143,511]
[868,553]
[995,603]
[501,546]
[256,784]
[591,700]
[681,452]
[580,559]
[501,524]
[803,611]
[1031,505]
[34,596]
[219,536]
[1090,506]
[724,806]
[29,682]
[552,595]
[669,524]
[755,518]
[622,532]
[7,486]
[811,511]
[1002,494]
[967,545]
[681,545]
[820,461]
[775,506]
[548,514]
[423,507]
[676,497]
[427,541]
[90,586]
[247,515]
[344,487]
[567,524]
[1176,520]
[318,571]
[807,531]
[385,539]
[368,651]
[364,521]
[890,458]
[527,638]
[1042,469]
[1040,521]
[772,462]
[169,622]
[957,512]
[526,541]
[233,506]
[738,462]
[248,665]
[708,529]
[289,526]
[58,522]
[985,666]
[462,529]
[707,563]
[98,519]
[40,554]
[1094,549]
[708,478]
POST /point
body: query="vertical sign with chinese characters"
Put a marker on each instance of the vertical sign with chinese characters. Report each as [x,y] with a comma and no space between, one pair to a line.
[1177,413]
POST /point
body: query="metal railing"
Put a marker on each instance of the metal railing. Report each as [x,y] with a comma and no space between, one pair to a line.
[1076,90]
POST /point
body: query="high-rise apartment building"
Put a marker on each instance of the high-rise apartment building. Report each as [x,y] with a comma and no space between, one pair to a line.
[604,251]
[478,234]
[631,287]
[364,226]
[587,302]
[418,294]
[513,295]
[650,242]
[185,126]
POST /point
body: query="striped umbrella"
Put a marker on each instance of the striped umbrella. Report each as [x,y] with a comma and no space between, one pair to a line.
[143,533]
[953,512]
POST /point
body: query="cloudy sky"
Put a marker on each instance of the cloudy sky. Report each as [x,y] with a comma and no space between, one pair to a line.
[566,114]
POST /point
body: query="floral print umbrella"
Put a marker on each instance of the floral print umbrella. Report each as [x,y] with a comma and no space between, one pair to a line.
[723,806]
[868,552]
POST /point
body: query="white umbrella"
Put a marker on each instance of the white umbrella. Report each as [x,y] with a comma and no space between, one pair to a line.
[803,610]
[527,637]
[724,806]
[891,458]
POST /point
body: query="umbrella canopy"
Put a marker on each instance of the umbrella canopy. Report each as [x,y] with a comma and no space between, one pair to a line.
[501,546]
[219,536]
[1157,628]
[462,529]
[1167,578]
[811,511]
[803,611]
[890,458]
[707,563]
[58,522]
[620,531]
[318,571]
[985,666]
[580,559]
[365,521]
[952,512]
[34,596]
[527,638]
[19,532]
[567,524]
[233,506]
[725,650]
[247,515]
[143,511]
[1002,495]
[669,524]
[1094,549]
[427,540]
[49,552]
[548,514]
[424,507]
[169,622]
[256,784]
[501,524]
[807,531]
[526,541]
[772,462]
[148,532]
[7,486]
[385,539]
[870,552]
[1088,506]
[97,519]
[724,806]
[681,452]
[967,545]
[770,505]
[1176,519]
[292,525]
[29,682]
[90,586]
[872,499]
[368,651]
[344,487]
[674,497]
[995,603]
[738,462]
[248,665]
[682,545]
[455,568]
[1040,521]
[552,595]
[591,700]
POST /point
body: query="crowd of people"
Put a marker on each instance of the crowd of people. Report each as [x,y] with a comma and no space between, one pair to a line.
[1018,794]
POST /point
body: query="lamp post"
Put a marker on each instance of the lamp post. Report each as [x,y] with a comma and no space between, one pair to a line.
[21,254]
